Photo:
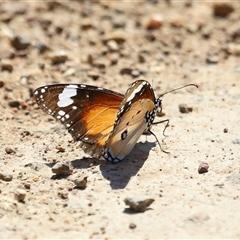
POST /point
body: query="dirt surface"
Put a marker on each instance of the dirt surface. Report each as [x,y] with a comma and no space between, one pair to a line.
[110,44]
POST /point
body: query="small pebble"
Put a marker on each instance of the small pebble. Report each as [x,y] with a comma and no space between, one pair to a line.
[222,9]
[234,49]
[141,58]
[212,58]
[192,27]
[203,168]
[1,83]
[58,57]
[183,108]
[118,23]
[60,149]
[9,150]
[140,203]
[27,185]
[80,181]
[100,63]
[225,130]
[135,73]
[207,31]
[19,194]
[155,22]
[119,36]
[14,104]
[93,74]
[6,66]
[235,34]
[149,35]
[42,47]
[69,72]
[24,105]
[86,24]
[36,178]
[132,225]
[127,71]
[18,42]
[62,169]
[177,21]
[63,195]
[114,57]
[113,45]
[220,185]
[6,177]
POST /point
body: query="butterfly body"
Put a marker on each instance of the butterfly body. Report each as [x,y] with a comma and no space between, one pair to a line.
[105,122]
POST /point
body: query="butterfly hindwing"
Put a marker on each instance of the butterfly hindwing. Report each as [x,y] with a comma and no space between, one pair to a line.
[128,131]
[87,112]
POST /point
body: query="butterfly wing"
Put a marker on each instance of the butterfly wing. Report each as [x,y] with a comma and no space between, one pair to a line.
[136,114]
[128,131]
[87,112]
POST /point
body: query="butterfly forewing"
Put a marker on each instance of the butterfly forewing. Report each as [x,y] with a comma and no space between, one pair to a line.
[136,114]
[87,112]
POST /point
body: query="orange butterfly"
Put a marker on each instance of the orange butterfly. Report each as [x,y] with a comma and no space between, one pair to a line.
[106,123]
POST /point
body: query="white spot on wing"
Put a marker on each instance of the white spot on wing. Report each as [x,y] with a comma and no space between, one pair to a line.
[65,97]
[135,91]
[61,113]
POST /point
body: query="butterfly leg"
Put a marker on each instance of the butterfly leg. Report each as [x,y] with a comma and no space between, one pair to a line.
[158,142]
[166,120]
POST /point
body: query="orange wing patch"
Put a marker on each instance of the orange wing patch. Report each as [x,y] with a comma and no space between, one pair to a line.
[97,125]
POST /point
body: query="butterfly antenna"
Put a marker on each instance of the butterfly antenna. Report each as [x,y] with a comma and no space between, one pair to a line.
[188,85]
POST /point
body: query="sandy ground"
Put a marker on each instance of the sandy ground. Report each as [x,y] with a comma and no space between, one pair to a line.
[111,44]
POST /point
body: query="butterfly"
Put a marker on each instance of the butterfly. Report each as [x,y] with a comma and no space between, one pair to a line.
[105,122]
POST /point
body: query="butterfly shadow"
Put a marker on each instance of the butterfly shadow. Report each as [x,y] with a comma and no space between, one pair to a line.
[86,162]
[119,174]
